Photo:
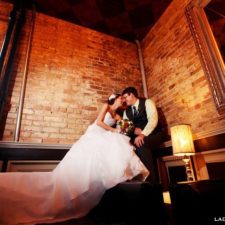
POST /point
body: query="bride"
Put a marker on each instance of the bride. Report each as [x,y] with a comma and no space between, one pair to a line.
[99,160]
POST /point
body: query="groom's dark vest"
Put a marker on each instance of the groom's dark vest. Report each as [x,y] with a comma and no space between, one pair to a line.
[141,119]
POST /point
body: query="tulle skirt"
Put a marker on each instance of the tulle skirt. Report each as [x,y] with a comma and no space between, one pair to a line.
[98,161]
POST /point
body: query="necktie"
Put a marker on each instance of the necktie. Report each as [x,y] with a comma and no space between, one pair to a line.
[135,112]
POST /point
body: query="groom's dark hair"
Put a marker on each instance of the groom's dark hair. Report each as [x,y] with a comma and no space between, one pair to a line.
[130,90]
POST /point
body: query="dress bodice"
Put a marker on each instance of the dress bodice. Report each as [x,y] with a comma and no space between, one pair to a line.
[109,120]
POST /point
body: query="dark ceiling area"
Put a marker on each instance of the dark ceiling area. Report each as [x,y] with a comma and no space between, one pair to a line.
[215,10]
[127,19]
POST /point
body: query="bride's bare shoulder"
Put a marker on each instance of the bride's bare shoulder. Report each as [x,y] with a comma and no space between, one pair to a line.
[103,111]
[105,107]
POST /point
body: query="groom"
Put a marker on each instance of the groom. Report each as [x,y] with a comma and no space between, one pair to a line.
[147,134]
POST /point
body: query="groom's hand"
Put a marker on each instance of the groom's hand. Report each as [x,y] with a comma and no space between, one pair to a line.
[139,140]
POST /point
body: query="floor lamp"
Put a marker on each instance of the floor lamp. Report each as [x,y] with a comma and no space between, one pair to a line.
[182,143]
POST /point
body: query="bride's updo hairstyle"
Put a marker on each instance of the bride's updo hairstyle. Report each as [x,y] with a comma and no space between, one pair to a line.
[112,98]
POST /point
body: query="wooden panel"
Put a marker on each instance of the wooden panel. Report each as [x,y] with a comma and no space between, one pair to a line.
[31,166]
[20,152]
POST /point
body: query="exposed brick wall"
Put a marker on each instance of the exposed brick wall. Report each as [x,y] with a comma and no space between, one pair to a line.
[72,70]
[175,77]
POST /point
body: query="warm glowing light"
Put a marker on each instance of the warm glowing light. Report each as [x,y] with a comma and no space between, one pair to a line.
[166,197]
[182,140]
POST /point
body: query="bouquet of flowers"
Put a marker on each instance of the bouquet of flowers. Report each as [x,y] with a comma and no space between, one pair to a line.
[125,126]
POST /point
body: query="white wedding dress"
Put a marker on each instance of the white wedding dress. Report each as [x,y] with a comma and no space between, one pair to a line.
[99,160]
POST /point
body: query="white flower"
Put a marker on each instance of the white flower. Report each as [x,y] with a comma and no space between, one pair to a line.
[112,96]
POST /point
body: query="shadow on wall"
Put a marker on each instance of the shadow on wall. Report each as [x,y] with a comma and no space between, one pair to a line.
[163,123]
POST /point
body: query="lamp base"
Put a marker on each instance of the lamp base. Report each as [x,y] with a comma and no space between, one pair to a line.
[189,171]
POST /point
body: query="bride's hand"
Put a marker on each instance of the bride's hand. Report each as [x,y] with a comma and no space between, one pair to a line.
[115,130]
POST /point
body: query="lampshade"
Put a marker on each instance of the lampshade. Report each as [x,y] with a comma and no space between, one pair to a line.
[182,140]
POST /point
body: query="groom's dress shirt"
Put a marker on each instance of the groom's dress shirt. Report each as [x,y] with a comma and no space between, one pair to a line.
[152,116]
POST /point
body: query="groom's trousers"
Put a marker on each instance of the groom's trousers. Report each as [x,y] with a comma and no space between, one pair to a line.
[147,154]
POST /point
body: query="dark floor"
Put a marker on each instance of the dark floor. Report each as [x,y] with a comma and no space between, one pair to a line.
[128,203]
[86,221]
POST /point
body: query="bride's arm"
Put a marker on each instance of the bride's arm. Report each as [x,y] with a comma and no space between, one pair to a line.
[100,119]
[117,117]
